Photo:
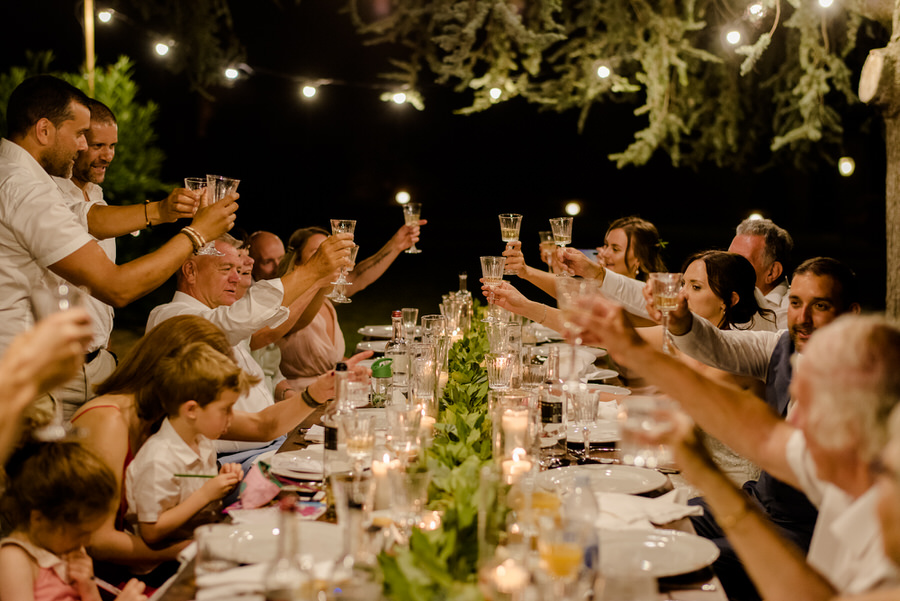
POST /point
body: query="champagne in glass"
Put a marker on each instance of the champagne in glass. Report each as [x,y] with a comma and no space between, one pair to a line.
[411,213]
[562,235]
[337,294]
[509,230]
[492,273]
[666,287]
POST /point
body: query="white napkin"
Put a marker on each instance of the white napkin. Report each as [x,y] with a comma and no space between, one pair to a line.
[315,434]
[619,511]
[608,410]
[245,583]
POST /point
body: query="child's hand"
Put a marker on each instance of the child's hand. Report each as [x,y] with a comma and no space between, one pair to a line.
[133,591]
[221,485]
[81,573]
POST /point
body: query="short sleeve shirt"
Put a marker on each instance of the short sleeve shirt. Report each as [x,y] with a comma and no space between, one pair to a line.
[37,229]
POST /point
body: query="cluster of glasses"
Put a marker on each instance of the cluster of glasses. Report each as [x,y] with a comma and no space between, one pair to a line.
[213,188]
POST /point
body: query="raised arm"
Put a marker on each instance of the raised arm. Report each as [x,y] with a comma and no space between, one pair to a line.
[515,261]
[118,285]
[113,221]
[370,269]
[736,417]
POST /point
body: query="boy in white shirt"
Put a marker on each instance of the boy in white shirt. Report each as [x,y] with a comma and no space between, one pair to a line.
[173,478]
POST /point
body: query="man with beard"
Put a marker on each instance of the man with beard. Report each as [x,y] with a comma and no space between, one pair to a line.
[42,243]
[822,289]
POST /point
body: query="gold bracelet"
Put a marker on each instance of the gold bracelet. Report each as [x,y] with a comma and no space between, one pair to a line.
[192,237]
[544,316]
[146,216]
[197,234]
[731,520]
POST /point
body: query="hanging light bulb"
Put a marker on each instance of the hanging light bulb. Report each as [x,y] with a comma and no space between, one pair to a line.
[826,3]
[402,197]
[106,15]
[755,12]
[495,93]
[573,208]
[755,216]
[846,166]
[162,48]
[603,72]
[309,91]
[232,73]
[733,37]
[399,98]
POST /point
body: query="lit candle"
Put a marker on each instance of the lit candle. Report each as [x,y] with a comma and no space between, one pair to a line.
[430,520]
[426,426]
[381,473]
[509,577]
[514,468]
[515,425]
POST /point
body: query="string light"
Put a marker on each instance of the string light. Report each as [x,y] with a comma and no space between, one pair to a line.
[603,72]
[495,93]
[398,98]
[309,91]
[756,216]
[755,12]
[402,197]
[162,48]
[826,3]
[105,16]
[733,37]
[232,73]
[573,208]
[846,166]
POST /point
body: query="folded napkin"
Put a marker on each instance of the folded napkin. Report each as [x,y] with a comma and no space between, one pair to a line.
[608,410]
[619,511]
[315,434]
[245,582]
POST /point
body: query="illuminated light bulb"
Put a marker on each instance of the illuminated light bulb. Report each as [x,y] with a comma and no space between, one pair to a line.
[756,10]
[733,37]
[846,166]
[603,72]
[495,93]
[105,16]
[309,91]
[826,3]
[755,216]
[232,73]
[161,48]
[403,197]
[399,98]
[573,208]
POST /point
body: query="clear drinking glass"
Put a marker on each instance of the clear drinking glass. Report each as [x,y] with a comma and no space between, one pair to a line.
[641,417]
[492,273]
[217,188]
[409,490]
[562,235]
[196,183]
[409,318]
[561,549]
[570,294]
[404,437]
[534,367]
[337,294]
[509,229]
[422,375]
[548,247]
[584,407]
[665,287]
[47,299]
[499,370]
[359,434]
[411,213]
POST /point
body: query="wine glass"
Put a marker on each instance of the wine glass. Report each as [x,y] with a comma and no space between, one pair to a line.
[337,294]
[509,230]
[492,272]
[570,296]
[196,183]
[585,405]
[665,287]
[46,300]
[411,213]
[561,549]
[562,235]
[217,188]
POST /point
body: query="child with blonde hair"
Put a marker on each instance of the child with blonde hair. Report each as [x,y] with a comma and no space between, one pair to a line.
[58,494]
[173,485]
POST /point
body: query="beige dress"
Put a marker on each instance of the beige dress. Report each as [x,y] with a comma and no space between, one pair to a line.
[312,351]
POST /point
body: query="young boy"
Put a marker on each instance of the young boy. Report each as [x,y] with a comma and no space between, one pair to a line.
[173,478]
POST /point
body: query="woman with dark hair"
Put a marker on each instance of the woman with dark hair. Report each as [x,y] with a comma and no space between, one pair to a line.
[719,287]
[315,344]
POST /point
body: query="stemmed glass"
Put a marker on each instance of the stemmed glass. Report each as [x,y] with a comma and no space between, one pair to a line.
[217,188]
[337,294]
[665,287]
[509,230]
[411,213]
[46,300]
[492,272]
[585,404]
[561,549]
[548,245]
[562,235]
[570,292]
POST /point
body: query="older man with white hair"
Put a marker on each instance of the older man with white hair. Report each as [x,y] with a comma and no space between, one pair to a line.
[845,386]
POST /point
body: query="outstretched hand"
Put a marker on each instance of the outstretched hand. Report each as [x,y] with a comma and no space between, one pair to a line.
[506,296]
[181,203]
[332,254]
[406,236]
[577,262]
[605,324]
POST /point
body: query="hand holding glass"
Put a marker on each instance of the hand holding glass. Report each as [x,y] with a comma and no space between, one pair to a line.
[492,272]
[665,287]
[217,188]
[411,213]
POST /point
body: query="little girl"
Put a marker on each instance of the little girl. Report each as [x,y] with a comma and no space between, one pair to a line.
[58,494]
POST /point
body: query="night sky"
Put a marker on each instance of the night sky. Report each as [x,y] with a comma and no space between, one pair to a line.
[347,153]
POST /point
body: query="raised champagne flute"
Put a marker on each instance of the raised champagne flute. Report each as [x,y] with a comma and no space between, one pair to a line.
[217,188]
[562,236]
[570,296]
[337,294]
[510,223]
[492,272]
[665,287]
[411,213]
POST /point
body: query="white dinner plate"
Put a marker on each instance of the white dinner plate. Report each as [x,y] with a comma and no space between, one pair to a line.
[601,374]
[623,479]
[548,333]
[609,389]
[372,345]
[305,464]
[664,552]
[251,543]
[376,331]
[604,430]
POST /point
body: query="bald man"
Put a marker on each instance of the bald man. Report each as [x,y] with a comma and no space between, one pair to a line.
[266,250]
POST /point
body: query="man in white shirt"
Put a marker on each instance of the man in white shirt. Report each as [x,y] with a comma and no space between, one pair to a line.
[845,386]
[42,242]
[208,286]
[768,248]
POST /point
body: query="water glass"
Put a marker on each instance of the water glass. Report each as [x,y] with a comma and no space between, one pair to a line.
[409,490]
[358,432]
[422,373]
[584,404]
[499,370]
[498,339]
[404,435]
[643,417]
[215,549]
[433,326]
[409,318]
[534,367]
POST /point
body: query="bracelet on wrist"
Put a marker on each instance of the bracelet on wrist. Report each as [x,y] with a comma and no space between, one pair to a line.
[309,400]
[544,316]
[192,236]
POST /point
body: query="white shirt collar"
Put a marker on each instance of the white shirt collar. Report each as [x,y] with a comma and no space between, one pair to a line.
[182,450]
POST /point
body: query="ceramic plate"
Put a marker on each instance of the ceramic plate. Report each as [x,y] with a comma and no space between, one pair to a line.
[548,333]
[609,389]
[601,374]
[564,348]
[384,332]
[664,552]
[305,464]
[258,542]
[604,430]
[623,479]
[372,345]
